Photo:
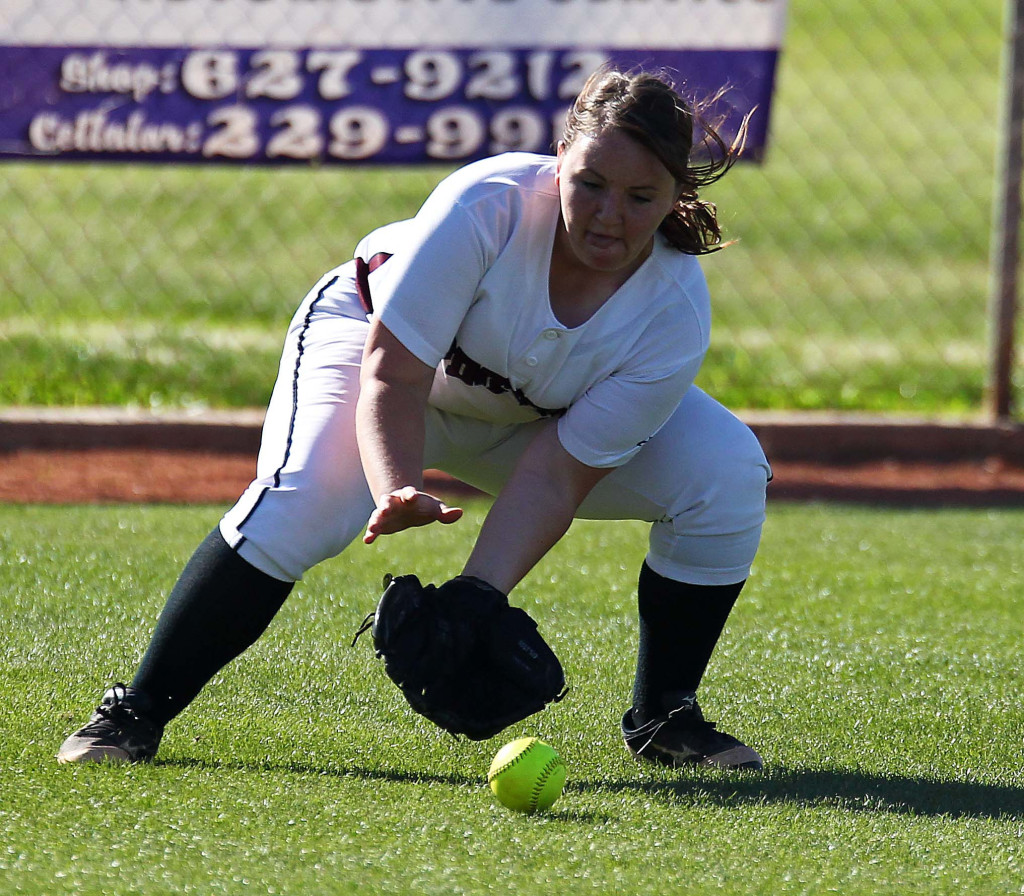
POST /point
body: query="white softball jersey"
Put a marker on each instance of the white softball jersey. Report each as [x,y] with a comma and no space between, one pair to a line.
[464,286]
[471,271]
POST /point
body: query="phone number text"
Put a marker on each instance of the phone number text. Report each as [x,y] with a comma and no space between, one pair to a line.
[304,105]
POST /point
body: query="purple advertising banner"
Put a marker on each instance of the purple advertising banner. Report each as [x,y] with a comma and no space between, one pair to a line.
[391,106]
[301,100]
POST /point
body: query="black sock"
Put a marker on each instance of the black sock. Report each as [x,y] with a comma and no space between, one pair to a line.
[679,627]
[219,606]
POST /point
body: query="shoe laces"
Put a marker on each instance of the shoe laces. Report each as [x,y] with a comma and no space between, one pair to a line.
[687,715]
[114,710]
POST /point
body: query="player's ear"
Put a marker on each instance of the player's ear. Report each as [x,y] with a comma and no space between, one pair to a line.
[559,152]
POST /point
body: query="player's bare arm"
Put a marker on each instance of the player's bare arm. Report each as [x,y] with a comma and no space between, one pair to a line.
[533,511]
[394,385]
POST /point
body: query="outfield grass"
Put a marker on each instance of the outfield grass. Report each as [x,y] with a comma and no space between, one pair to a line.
[875,661]
[859,282]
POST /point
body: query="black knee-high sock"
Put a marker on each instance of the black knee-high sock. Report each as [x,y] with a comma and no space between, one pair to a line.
[219,606]
[679,627]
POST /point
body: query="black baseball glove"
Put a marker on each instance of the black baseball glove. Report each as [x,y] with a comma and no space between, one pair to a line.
[462,656]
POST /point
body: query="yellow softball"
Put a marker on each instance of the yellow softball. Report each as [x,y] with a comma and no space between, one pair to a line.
[527,775]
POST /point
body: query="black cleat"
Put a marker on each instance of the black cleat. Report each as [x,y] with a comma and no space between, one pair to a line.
[117,732]
[683,737]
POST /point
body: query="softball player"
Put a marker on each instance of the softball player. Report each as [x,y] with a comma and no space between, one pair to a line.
[535,331]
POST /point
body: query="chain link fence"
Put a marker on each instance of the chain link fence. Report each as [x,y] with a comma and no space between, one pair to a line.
[858,281]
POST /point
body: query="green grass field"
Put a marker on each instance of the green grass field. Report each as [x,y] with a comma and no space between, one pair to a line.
[859,282]
[874,659]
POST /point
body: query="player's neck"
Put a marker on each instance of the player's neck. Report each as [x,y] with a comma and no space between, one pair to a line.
[577,291]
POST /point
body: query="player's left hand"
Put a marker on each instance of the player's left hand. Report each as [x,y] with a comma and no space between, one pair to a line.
[407,508]
[462,656]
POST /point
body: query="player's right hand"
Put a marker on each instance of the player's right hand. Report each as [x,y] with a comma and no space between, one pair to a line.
[407,508]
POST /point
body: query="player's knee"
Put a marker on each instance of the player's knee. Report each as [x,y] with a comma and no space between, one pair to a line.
[285,530]
[743,479]
[724,491]
[712,533]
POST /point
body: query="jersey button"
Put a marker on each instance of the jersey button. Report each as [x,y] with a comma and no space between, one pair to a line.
[551,334]
[531,361]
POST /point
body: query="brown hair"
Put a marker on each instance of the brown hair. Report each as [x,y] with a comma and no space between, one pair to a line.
[653,113]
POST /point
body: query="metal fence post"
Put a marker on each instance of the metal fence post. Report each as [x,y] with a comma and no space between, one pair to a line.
[1007,214]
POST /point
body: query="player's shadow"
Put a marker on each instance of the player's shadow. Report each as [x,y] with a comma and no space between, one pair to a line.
[300,768]
[851,790]
[838,788]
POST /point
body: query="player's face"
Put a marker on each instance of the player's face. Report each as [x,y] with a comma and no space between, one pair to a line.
[614,194]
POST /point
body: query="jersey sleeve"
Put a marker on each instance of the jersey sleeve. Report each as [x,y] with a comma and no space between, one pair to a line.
[618,415]
[426,288]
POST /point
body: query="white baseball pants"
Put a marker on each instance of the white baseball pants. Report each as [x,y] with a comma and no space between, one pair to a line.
[700,481]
